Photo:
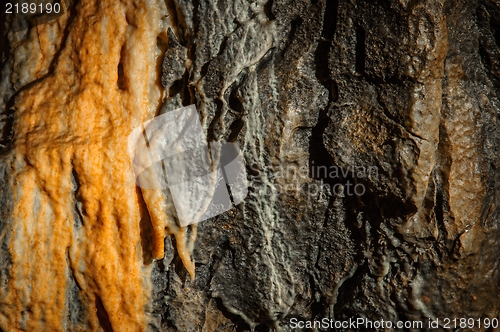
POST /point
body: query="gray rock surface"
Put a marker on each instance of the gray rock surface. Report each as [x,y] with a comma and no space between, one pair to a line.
[397,97]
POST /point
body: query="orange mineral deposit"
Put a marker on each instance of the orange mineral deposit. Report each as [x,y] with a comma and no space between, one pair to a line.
[70,141]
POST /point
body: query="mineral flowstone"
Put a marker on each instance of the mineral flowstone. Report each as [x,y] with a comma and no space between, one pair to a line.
[369,133]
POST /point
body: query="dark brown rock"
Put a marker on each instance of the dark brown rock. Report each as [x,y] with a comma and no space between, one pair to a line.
[399,99]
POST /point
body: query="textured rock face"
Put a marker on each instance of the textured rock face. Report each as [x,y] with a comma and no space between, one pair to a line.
[369,131]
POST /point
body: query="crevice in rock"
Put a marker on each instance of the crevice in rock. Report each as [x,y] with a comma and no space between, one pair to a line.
[4,40]
[162,42]
[441,175]
[79,210]
[5,229]
[176,87]
[174,19]
[236,105]
[319,308]
[166,319]
[488,43]
[266,59]
[146,229]
[7,128]
[158,294]
[6,115]
[102,315]
[162,46]
[71,270]
[76,313]
[187,92]
[360,50]
[186,39]
[239,323]
[72,14]
[294,26]
[318,154]
[484,57]
[268,10]
[121,77]
[234,101]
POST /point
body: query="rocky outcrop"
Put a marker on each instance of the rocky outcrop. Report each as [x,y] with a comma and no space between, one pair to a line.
[369,133]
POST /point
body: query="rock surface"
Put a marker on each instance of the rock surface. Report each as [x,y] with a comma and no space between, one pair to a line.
[369,131]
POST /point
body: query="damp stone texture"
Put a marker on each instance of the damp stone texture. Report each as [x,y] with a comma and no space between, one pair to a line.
[370,139]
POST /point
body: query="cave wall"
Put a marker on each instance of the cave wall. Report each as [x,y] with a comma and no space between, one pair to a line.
[397,99]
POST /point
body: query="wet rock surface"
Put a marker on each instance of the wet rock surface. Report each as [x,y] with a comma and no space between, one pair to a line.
[369,131]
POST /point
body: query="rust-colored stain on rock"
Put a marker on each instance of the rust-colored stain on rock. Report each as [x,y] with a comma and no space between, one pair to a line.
[71,128]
